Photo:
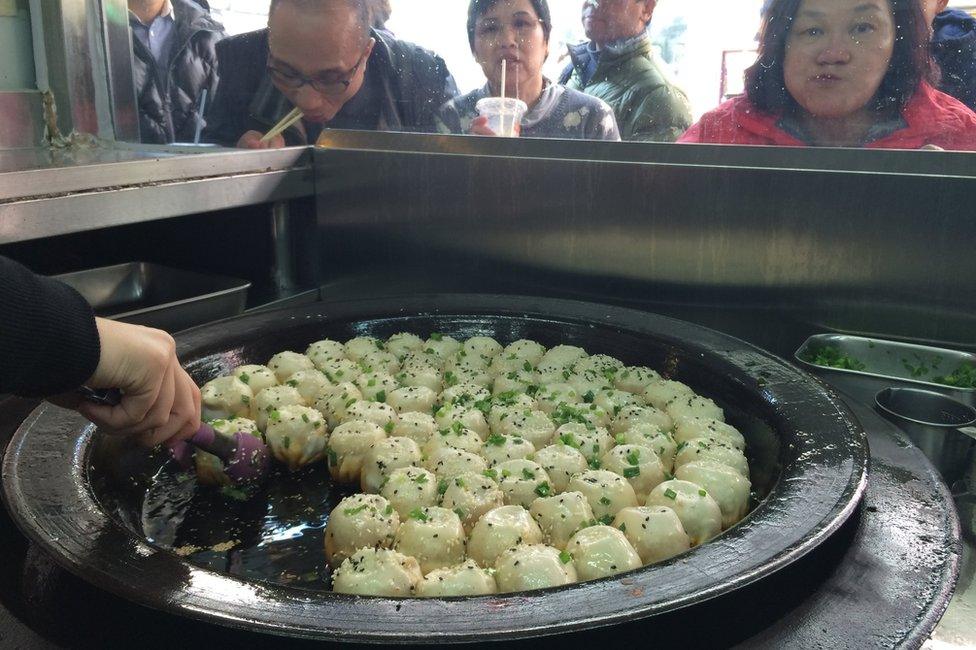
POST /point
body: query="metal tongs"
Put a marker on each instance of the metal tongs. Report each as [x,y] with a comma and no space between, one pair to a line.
[246,458]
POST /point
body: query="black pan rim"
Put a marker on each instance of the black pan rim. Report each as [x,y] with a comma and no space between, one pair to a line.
[164,581]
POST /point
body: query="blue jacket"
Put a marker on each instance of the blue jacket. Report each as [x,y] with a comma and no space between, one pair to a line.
[954,48]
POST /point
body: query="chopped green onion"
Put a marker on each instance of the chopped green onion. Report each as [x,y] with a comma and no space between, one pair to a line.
[632,472]
[671,494]
[419,515]
[565,557]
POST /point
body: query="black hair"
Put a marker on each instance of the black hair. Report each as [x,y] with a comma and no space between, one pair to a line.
[911,63]
[478,8]
[362,8]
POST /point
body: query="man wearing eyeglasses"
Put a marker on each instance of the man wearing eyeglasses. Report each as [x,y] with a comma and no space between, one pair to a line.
[323,57]
[618,66]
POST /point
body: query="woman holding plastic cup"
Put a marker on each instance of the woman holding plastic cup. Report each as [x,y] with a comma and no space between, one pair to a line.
[510,40]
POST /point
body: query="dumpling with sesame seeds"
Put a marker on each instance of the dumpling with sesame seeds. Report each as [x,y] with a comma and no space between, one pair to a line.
[409,488]
[501,529]
[729,488]
[225,398]
[471,495]
[655,532]
[639,465]
[448,463]
[334,402]
[500,449]
[699,513]
[256,377]
[631,416]
[309,384]
[296,435]
[606,492]
[324,352]
[378,413]
[531,567]
[377,572]
[412,399]
[401,343]
[348,445]
[384,457]
[286,364]
[694,406]
[690,428]
[417,426]
[271,399]
[376,386]
[359,521]
[601,552]
[561,516]
[434,536]
[661,393]
[467,579]
[562,463]
[359,347]
[522,482]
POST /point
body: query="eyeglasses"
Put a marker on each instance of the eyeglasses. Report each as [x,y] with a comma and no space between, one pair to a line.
[332,84]
[523,28]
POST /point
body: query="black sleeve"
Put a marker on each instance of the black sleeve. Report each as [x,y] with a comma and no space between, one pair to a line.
[241,64]
[48,340]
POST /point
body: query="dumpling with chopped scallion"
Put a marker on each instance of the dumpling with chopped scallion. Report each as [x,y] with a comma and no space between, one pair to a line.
[467,579]
[348,446]
[551,396]
[464,360]
[324,352]
[309,384]
[562,356]
[606,492]
[503,412]
[456,437]
[402,343]
[582,413]
[471,495]
[522,482]
[639,465]
[588,384]
[377,572]
[718,451]
[469,418]
[614,401]
[341,370]
[334,402]
[210,469]
[412,399]
[655,532]
[376,412]
[526,350]
[441,345]
[226,397]
[499,530]
[601,552]
[690,428]
[699,513]
[635,379]
[500,449]
[360,346]
[274,399]
[729,488]
[448,463]
[482,346]
[420,375]
[532,425]
[376,386]
[592,442]
[631,416]
[286,364]
[518,381]
[469,374]
[661,393]
[648,435]
[463,395]
[380,362]
[562,463]
[409,488]
[434,536]
[417,426]
[531,567]
[561,516]
[359,521]
[296,435]
[256,377]
[384,457]
[600,363]
[694,407]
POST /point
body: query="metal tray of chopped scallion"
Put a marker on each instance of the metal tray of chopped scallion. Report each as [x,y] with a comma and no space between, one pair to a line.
[862,366]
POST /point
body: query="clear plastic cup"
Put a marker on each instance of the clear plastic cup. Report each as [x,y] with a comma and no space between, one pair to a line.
[504,115]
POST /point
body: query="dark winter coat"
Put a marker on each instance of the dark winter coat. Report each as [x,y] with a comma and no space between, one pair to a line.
[168,96]
[409,82]
[954,47]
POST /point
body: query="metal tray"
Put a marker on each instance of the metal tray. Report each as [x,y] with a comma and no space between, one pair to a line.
[888,364]
[159,296]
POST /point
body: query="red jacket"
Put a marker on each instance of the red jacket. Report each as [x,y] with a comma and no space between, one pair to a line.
[932,117]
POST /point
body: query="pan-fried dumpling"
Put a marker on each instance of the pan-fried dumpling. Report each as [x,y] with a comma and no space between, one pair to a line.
[471,496]
[694,407]
[377,572]
[606,492]
[309,384]
[341,370]
[600,552]
[531,567]
[256,377]
[562,356]
[661,393]
[533,425]
[463,395]
[402,343]
[522,482]
[360,346]
[639,465]
[561,516]
[348,446]
[457,437]
[296,435]
[409,488]
[467,579]
[526,350]
[359,521]
[729,488]
[551,396]
[286,364]
[592,442]
[635,379]
[499,449]
[613,401]
[441,345]
[648,435]
[561,463]
[499,530]
[210,469]
[470,418]
[272,399]
[631,416]
[334,402]
[447,462]
[419,427]
[324,352]
[699,513]
[226,397]
[420,375]
[690,428]
[380,414]
[376,386]
[482,346]
[714,450]
[434,536]
[655,532]
[384,457]
[412,399]
[380,362]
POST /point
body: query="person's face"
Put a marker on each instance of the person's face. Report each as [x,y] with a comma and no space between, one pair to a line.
[611,20]
[511,31]
[837,54]
[932,8]
[324,45]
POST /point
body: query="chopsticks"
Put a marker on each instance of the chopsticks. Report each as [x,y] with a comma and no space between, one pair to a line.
[286,122]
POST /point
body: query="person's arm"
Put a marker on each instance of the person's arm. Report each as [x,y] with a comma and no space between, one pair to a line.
[51,344]
[227,109]
[660,116]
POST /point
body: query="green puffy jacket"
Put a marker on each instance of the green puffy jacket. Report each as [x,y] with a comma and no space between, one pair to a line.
[648,107]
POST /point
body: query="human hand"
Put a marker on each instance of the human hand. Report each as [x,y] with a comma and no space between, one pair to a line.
[160,402]
[479,126]
[252,140]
